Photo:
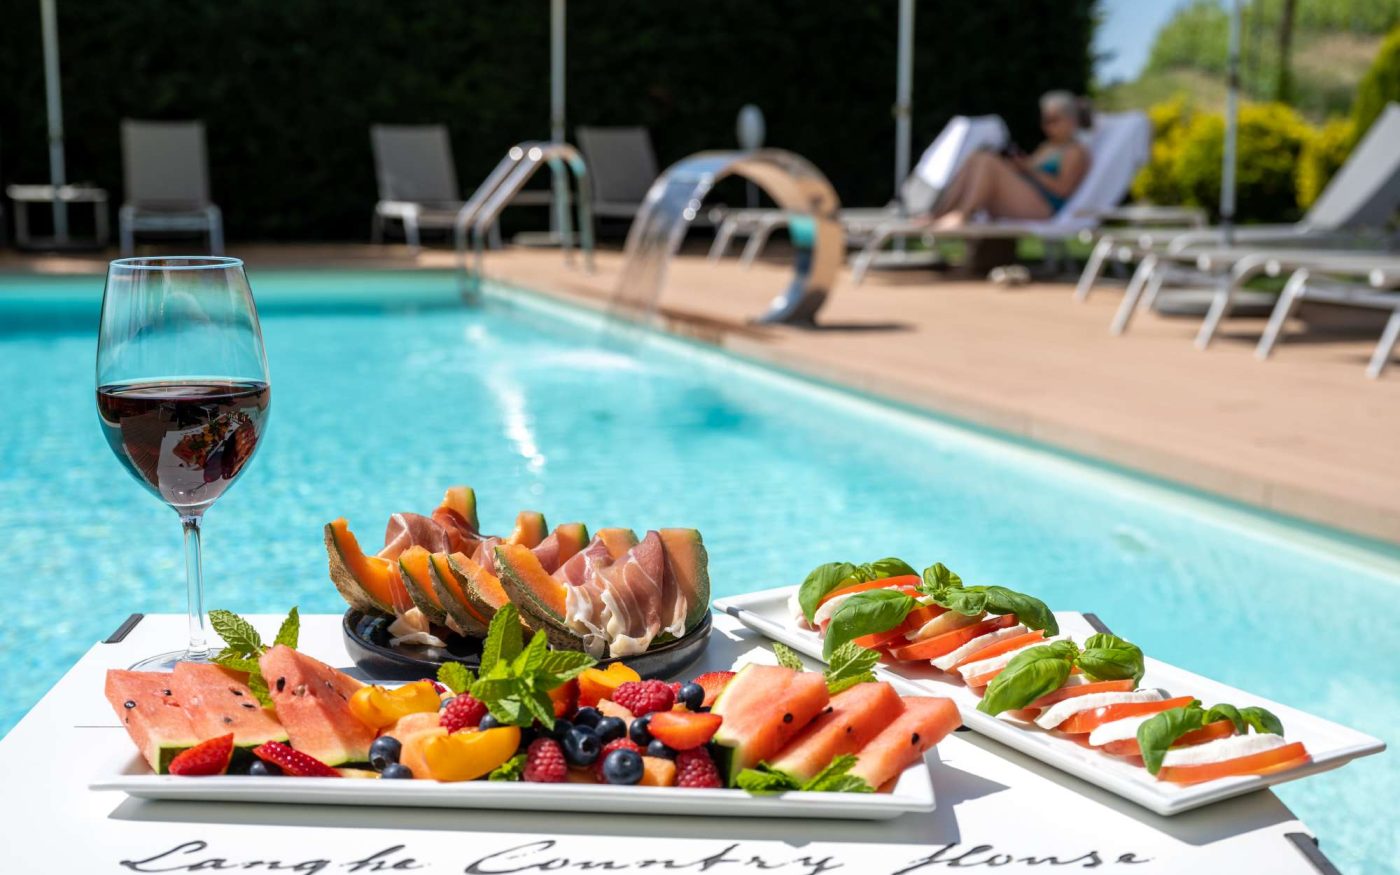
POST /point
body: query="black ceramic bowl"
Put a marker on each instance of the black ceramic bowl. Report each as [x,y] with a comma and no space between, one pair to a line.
[367,639]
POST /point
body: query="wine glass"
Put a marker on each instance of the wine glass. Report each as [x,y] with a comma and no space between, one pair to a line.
[182,393]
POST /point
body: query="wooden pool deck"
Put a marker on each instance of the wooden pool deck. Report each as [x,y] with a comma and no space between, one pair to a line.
[1304,434]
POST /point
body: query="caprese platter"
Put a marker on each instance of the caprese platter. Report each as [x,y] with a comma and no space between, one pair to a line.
[1053,685]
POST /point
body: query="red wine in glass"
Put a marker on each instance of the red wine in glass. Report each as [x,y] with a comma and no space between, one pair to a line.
[187,441]
[182,394]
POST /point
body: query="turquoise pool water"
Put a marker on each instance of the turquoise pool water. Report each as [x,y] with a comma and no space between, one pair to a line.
[385,391]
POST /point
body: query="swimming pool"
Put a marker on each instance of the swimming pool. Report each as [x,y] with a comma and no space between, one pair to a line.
[378,406]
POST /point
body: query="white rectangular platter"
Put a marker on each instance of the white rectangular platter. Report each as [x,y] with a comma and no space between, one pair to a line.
[1330,744]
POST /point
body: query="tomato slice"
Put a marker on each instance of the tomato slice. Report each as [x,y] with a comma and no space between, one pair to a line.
[1264,763]
[1069,692]
[882,583]
[938,645]
[876,640]
[1000,647]
[1088,721]
[1128,747]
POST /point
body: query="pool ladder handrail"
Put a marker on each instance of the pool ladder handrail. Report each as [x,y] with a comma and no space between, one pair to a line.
[507,179]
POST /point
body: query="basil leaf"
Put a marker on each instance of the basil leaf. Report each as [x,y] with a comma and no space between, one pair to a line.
[850,664]
[880,569]
[939,576]
[763,780]
[822,580]
[1029,610]
[968,602]
[1030,674]
[1109,658]
[875,610]
[788,658]
[1227,712]
[1261,720]
[1159,732]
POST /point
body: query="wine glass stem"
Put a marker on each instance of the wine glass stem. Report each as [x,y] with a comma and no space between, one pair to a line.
[194,581]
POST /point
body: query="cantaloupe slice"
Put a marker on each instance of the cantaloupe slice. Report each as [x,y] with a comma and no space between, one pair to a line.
[461,500]
[367,583]
[530,529]
[618,541]
[462,617]
[415,566]
[539,596]
[687,564]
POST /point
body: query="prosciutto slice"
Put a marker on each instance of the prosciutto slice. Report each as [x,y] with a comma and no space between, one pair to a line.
[620,607]
[583,597]
[412,530]
[461,537]
[485,554]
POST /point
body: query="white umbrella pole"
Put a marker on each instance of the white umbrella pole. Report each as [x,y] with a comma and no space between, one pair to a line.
[903,100]
[54,97]
[1232,124]
[556,109]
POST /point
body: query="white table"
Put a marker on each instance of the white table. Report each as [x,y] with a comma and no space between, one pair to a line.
[24,195]
[995,806]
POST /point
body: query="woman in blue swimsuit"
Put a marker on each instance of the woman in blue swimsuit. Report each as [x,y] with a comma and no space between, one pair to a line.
[1031,186]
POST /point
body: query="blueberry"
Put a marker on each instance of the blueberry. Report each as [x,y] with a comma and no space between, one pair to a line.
[587,717]
[260,769]
[561,729]
[489,722]
[622,766]
[610,728]
[581,746]
[396,770]
[692,696]
[658,748]
[640,730]
[445,702]
[384,751]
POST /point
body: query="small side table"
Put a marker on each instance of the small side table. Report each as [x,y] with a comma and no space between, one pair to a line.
[24,195]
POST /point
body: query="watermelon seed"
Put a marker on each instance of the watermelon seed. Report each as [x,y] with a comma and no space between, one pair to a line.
[227,720]
[165,692]
[129,704]
[281,684]
[914,739]
[787,718]
[235,692]
[248,705]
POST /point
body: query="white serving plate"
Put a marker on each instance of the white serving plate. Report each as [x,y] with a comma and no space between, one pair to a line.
[1330,744]
[913,792]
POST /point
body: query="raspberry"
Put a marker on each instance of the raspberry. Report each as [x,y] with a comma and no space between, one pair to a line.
[694,768]
[615,744]
[293,762]
[544,762]
[463,712]
[644,697]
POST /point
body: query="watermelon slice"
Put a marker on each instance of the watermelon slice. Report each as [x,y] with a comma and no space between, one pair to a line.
[313,703]
[764,707]
[925,722]
[855,717]
[218,702]
[145,704]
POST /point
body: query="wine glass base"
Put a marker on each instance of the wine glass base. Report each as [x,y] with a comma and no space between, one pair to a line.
[166,661]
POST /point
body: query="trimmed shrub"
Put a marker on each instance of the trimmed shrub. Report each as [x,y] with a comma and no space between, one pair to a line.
[1156,181]
[1324,152]
[1379,86]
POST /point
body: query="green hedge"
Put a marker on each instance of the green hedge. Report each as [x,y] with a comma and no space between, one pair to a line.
[289,89]
[1379,86]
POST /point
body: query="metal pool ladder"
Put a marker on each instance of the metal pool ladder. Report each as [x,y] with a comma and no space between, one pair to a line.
[506,180]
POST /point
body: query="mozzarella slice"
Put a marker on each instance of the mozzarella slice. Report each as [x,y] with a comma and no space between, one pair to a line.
[981,642]
[799,619]
[998,662]
[945,622]
[1118,730]
[1222,749]
[1061,711]
[823,614]
[754,656]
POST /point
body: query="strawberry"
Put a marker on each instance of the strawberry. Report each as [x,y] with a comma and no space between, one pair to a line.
[713,682]
[682,730]
[293,762]
[206,758]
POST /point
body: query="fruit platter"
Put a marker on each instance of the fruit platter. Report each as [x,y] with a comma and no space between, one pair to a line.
[429,594]
[531,726]
[1053,685]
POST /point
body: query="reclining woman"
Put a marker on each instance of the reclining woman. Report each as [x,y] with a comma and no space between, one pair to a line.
[1031,186]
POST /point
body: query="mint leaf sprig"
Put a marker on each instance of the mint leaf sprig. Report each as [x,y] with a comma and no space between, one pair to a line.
[243,646]
[787,657]
[850,664]
[763,779]
[515,678]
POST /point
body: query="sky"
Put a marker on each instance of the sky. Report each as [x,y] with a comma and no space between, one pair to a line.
[1126,33]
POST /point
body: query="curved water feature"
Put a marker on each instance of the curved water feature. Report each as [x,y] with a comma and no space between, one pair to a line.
[674,201]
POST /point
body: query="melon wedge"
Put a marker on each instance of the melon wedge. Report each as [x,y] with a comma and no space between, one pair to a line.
[482,589]
[562,545]
[687,564]
[313,704]
[450,588]
[926,721]
[145,703]
[415,568]
[367,583]
[539,596]
[218,701]
[461,500]
[530,529]
[617,541]
[855,716]
[764,707]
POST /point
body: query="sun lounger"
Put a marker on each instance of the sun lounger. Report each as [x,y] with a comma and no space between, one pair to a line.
[622,167]
[962,136]
[417,180]
[1118,143]
[1360,199]
[165,172]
